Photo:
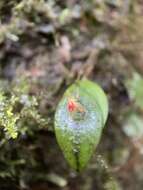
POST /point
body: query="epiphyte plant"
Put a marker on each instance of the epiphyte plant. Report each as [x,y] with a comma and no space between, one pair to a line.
[79,121]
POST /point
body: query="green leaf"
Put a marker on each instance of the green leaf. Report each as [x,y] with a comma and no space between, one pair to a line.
[79,121]
[133,125]
[135,89]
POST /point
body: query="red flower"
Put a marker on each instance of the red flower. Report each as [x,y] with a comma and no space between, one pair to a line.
[72,105]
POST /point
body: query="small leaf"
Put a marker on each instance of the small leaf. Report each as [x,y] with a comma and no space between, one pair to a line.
[133,126]
[135,90]
[79,120]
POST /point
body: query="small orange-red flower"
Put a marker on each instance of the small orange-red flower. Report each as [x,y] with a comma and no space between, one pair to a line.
[74,106]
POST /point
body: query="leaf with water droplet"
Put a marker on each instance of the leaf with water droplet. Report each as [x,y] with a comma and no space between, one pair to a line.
[79,121]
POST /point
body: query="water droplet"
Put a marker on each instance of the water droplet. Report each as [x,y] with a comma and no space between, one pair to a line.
[76,142]
[71,138]
[75,150]
[78,134]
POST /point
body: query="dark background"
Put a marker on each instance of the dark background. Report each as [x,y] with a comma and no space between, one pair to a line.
[44,47]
